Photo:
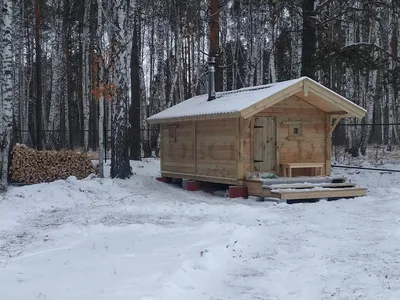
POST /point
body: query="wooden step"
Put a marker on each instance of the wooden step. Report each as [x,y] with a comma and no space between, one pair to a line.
[309,186]
[293,194]
[303,180]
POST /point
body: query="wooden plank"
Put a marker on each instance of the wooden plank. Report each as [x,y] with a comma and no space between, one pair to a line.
[309,186]
[265,166]
[277,147]
[304,165]
[289,115]
[334,126]
[257,143]
[241,146]
[328,146]
[272,144]
[216,147]
[294,102]
[194,148]
[161,150]
[179,164]
[305,156]
[315,194]
[302,121]
[255,188]
[252,149]
[337,113]
[182,134]
[202,138]
[305,89]
[177,168]
[213,179]
[305,179]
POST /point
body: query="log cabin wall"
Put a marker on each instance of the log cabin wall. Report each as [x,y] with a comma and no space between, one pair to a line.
[217,148]
[177,148]
[301,134]
[202,150]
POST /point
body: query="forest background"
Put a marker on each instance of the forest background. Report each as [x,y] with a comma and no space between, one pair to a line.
[61,58]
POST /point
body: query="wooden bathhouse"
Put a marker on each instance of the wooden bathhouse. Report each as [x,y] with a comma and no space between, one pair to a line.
[273,140]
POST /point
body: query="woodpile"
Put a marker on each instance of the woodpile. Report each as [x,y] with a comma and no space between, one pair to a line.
[30,166]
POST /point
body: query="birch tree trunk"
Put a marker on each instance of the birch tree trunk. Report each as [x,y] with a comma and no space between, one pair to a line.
[101,96]
[120,167]
[57,94]
[6,96]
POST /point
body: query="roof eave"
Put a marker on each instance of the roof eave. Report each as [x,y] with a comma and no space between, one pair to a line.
[194,118]
[352,109]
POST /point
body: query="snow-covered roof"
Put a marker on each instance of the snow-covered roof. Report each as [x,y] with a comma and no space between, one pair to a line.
[237,101]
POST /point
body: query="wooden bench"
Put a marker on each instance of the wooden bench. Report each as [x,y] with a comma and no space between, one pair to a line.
[287,168]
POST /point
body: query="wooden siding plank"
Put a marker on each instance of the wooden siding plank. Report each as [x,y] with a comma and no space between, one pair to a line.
[194,148]
[161,150]
[223,180]
[277,146]
[252,122]
[328,146]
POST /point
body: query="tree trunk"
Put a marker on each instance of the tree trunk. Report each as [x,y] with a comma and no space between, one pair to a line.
[135,115]
[308,40]
[6,86]
[39,110]
[214,42]
[120,167]
[86,93]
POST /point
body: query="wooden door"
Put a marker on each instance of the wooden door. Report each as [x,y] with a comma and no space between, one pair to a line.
[265,144]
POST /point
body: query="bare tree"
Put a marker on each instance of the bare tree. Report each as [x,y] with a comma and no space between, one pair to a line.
[6,86]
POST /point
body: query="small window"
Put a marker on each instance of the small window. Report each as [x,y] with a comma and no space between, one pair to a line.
[295,130]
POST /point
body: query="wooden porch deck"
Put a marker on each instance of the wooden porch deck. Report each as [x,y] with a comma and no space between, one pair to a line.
[302,188]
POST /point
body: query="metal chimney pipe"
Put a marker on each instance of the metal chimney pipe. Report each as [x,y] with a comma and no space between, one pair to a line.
[211,78]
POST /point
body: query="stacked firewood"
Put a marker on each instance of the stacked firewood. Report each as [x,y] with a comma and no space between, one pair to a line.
[32,166]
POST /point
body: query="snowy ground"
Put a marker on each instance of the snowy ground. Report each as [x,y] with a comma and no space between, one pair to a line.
[141,239]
